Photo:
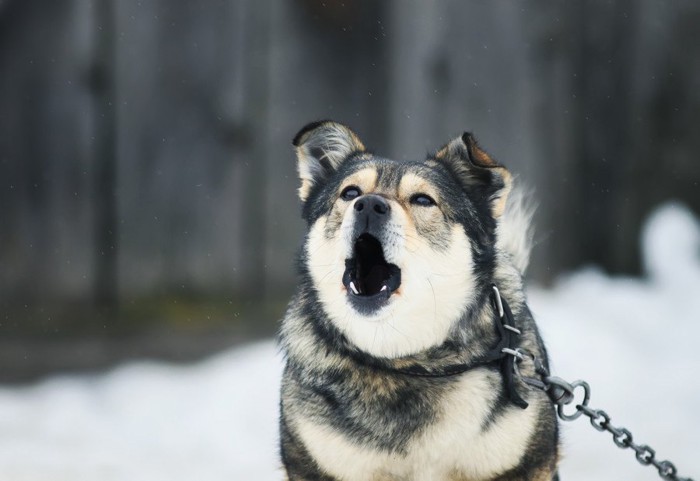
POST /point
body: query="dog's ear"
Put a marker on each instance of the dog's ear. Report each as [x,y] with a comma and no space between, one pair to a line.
[477,171]
[321,147]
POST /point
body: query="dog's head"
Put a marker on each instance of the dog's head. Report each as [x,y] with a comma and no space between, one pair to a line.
[397,251]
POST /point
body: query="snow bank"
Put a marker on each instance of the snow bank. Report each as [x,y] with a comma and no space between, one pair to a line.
[147,422]
[632,340]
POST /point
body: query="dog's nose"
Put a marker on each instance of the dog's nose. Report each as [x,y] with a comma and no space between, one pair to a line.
[371,204]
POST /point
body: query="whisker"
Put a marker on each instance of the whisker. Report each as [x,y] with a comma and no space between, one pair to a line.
[434,300]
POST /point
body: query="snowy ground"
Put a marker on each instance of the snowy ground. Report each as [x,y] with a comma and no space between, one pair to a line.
[633,340]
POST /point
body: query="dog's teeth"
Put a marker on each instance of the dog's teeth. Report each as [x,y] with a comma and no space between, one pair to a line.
[354,289]
[384,288]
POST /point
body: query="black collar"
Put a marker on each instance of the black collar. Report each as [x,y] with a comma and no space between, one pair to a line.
[504,352]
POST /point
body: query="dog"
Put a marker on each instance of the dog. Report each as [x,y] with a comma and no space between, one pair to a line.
[387,339]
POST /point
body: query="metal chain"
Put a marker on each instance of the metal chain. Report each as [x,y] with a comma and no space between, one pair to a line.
[562,394]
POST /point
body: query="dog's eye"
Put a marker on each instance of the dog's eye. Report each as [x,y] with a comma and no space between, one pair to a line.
[350,192]
[423,200]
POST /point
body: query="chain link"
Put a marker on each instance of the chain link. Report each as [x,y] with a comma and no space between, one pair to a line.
[563,394]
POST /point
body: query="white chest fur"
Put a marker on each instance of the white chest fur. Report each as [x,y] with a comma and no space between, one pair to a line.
[455,447]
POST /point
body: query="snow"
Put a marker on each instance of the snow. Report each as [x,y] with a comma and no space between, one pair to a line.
[631,339]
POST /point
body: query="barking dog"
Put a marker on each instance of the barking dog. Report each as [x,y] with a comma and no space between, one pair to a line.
[396,287]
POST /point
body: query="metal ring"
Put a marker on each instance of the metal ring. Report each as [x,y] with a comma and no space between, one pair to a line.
[586,398]
[601,421]
[645,455]
[624,439]
[667,470]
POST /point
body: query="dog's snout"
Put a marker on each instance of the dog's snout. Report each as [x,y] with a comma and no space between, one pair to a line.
[371,213]
[372,203]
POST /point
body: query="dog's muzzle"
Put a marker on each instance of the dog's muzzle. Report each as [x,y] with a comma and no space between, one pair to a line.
[369,279]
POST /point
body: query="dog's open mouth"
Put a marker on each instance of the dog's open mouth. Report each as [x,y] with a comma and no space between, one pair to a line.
[368,276]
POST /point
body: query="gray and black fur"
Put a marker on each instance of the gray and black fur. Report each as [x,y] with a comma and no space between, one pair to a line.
[347,410]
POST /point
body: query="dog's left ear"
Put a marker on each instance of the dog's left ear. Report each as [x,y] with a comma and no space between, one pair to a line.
[477,171]
[321,148]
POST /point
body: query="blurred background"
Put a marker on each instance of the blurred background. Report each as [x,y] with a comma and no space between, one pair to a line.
[147,179]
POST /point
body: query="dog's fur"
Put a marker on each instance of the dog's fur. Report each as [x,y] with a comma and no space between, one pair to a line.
[448,230]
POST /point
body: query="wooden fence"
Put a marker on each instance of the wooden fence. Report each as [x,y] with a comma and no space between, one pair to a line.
[145,146]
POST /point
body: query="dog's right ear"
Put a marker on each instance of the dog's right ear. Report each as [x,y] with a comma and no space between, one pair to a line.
[321,147]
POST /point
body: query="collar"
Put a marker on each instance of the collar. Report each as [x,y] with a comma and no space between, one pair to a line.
[503,354]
